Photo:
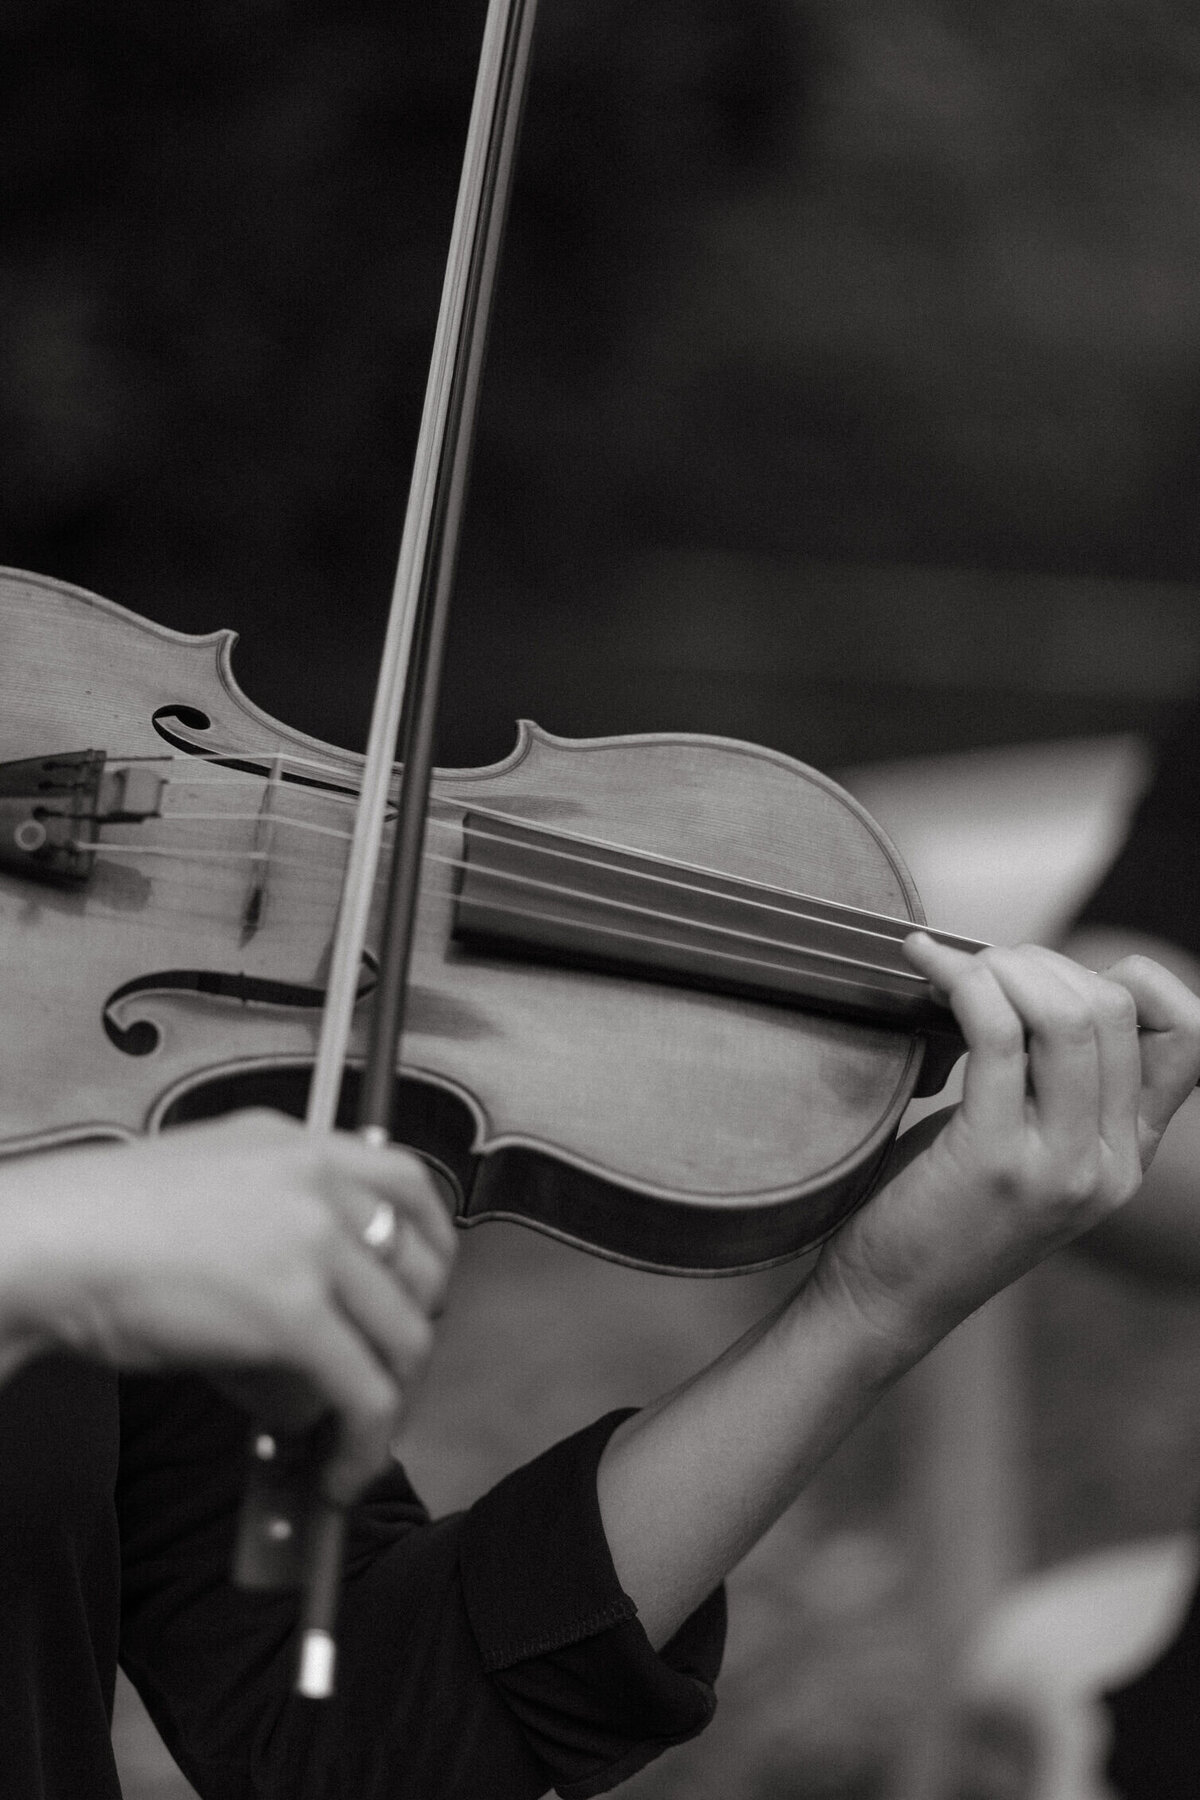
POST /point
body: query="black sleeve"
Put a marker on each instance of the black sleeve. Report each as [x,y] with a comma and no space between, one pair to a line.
[492,1652]
[1154,884]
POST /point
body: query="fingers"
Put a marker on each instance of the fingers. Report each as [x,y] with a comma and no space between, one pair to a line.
[1045,1031]
[363,1174]
[368,1336]
[1011,1175]
[325,1380]
[1139,1023]
[393,1324]
[391,1335]
[421,1254]
[354,1177]
[424,1272]
[355,1170]
[388,1298]
[1168,1014]
[994,1082]
[1113,1016]
[365,1399]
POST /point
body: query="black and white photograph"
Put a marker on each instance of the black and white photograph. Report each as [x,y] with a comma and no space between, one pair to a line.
[599,900]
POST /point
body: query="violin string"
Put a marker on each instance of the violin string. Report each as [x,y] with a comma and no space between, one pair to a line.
[343,787]
[722,955]
[746,960]
[659,916]
[566,849]
[561,890]
[725,932]
[348,797]
[281,819]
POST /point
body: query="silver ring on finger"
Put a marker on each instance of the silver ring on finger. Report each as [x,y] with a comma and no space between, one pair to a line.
[381,1230]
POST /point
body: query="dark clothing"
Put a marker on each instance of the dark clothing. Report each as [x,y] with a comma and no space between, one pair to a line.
[1154,884]
[490,1653]
[1154,887]
[1155,1729]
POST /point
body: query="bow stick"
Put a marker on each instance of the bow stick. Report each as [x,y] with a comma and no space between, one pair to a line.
[285,1517]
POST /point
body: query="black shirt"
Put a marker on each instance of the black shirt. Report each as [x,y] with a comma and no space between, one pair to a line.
[1154,887]
[1154,883]
[489,1653]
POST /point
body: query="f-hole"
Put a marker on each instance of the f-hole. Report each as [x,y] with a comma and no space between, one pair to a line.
[142,1037]
[182,727]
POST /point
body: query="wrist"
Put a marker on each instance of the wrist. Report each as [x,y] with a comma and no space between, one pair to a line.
[886,1327]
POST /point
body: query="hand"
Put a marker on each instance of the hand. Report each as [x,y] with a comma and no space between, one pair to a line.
[1071,1080]
[234,1246]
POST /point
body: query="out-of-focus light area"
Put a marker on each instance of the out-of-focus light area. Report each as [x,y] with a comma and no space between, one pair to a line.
[843,395]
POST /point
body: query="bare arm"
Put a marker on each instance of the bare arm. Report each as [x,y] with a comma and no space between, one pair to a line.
[1043,1146]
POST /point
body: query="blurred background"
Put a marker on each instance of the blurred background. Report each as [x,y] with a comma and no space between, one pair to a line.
[844,395]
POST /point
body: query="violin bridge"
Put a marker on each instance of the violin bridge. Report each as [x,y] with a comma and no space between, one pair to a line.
[264,834]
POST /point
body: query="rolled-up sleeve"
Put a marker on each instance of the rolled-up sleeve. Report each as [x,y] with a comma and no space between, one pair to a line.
[562,1641]
[492,1652]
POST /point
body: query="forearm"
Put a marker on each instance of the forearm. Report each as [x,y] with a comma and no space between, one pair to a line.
[688,1485]
[1070,1082]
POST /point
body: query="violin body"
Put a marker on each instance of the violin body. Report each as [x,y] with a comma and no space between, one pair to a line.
[182,970]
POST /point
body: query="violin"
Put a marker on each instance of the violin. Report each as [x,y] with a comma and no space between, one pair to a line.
[657,1004]
[647,994]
